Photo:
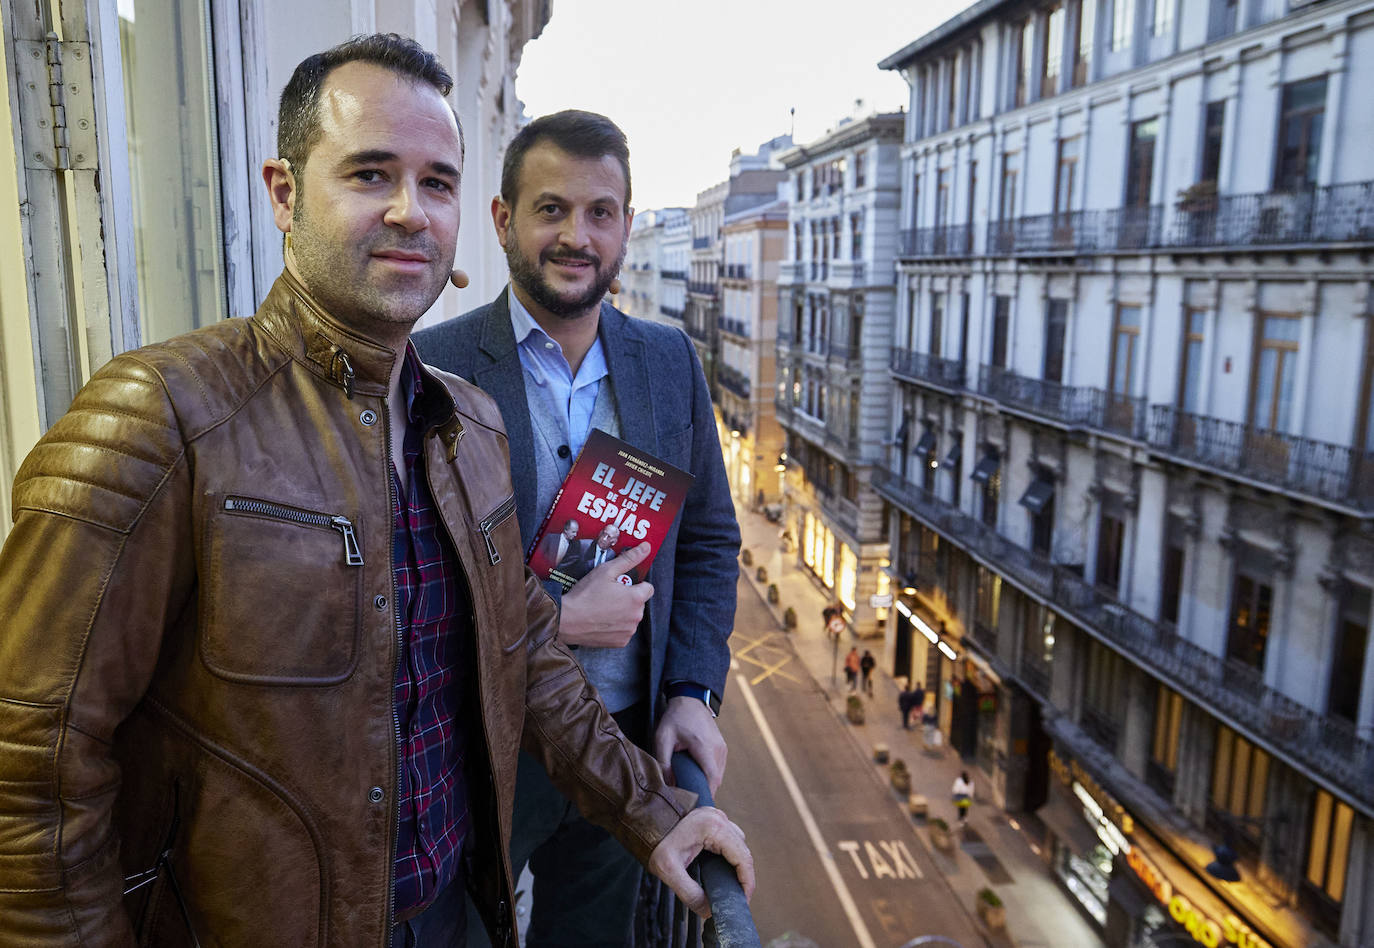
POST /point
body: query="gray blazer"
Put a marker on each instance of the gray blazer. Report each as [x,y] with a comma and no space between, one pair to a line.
[664,408]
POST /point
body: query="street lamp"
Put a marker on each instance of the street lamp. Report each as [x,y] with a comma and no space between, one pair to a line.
[1223,867]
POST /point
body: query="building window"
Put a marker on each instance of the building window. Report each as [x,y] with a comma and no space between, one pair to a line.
[1347,659]
[835,239]
[942,178]
[989,479]
[1111,543]
[1011,167]
[1039,501]
[1252,600]
[951,72]
[1064,179]
[799,183]
[1001,322]
[1213,131]
[1141,162]
[859,169]
[937,324]
[1300,134]
[1240,777]
[1022,50]
[856,236]
[1124,341]
[954,463]
[1103,709]
[1056,323]
[915,200]
[1163,19]
[1083,48]
[1123,17]
[1190,371]
[1328,848]
[1171,582]
[1276,364]
[1163,763]
[1053,32]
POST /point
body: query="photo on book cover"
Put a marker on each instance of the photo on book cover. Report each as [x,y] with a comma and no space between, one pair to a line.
[614,497]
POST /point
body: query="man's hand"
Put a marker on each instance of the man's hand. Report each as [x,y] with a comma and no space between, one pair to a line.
[688,725]
[600,610]
[703,828]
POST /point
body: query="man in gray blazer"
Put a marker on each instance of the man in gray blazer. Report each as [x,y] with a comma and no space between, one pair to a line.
[559,361]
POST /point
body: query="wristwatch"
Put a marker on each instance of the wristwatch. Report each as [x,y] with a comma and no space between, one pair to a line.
[690,689]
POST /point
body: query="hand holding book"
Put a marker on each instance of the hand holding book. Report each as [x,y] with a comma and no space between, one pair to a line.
[600,610]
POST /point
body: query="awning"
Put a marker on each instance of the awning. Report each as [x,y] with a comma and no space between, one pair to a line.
[952,459]
[986,468]
[1063,816]
[927,443]
[1038,495]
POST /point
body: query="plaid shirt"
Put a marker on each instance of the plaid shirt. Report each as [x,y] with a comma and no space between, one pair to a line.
[433,612]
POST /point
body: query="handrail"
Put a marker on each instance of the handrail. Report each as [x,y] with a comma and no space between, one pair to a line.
[666,921]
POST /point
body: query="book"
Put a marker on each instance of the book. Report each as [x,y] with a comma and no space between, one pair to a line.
[614,497]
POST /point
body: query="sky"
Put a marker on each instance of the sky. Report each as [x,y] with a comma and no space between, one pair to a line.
[689,82]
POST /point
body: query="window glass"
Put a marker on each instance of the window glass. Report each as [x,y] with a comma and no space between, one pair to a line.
[169,105]
[1123,13]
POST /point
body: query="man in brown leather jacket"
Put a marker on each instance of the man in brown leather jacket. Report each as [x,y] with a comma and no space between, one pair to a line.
[220,641]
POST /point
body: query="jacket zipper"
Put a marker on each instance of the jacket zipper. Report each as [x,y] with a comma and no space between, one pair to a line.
[395,670]
[353,554]
[497,517]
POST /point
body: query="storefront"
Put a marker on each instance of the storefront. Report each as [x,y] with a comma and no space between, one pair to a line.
[1124,878]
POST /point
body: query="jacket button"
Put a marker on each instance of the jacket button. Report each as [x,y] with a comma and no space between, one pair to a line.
[376,794]
[368,417]
[379,602]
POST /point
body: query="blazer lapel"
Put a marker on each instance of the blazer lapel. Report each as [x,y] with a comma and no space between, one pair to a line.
[626,362]
[498,373]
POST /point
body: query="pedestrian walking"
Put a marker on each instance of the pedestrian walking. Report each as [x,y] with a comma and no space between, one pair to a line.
[918,701]
[963,794]
[866,665]
[904,705]
[851,668]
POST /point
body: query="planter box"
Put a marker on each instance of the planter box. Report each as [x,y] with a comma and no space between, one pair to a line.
[901,781]
[940,838]
[993,916]
[880,753]
[918,806]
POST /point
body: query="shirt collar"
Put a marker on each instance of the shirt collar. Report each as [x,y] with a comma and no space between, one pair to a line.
[412,384]
[531,337]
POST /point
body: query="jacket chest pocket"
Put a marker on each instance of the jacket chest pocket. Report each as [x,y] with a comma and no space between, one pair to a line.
[281,590]
[501,570]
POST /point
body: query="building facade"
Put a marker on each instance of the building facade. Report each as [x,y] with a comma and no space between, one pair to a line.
[642,275]
[1129,498]
[754,243]
[836,308]
[132,198]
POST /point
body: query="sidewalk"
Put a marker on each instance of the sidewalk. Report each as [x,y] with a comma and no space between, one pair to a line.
[995,851]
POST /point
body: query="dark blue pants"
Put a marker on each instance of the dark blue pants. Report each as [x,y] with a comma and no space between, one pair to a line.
[442,925]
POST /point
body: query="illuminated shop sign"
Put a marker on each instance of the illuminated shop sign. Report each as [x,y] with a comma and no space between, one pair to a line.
[1081,782]
[1204,929]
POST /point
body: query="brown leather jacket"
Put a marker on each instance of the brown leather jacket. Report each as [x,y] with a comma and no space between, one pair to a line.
[198,650]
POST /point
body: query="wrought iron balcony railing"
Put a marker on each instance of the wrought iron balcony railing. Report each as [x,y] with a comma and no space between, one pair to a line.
[731,325]
[1075,406]
[924,367]
[733,380]
[820,269]
[700,243]
[1327,471]
[1122,228]
[673,274]
[843,352]
[1340,213]
[702,288]
[737,271]
[699,333]
[674,312]
[949,240]
[1313,742]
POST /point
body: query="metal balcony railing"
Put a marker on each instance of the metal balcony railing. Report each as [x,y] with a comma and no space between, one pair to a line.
[1339,213]
[674,312]
[947,240]
[843,352]
[699,333]
[1074,406]
[1328,471]
[699,243]
[663,921]
[673,274]
[1325,746]
[733,380]
[820,269]
[923,367]
[737,271]
[1122,228]
[701,287]
[731,325]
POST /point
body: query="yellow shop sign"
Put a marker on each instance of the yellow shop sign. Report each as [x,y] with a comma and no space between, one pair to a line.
[1205,930]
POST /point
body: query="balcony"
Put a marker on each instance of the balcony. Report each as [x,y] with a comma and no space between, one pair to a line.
[701,288]
[791,271]
[736,327]
[699,333]
[1329,472]
[1070,406]
[1312,742]
[733,380]
[922,367]
[1077,232]
[843,352]
[673,274]
[1340,213]
[737,271]
[671,312]
[945,241]
[820,269]
[701,243]
[848,273]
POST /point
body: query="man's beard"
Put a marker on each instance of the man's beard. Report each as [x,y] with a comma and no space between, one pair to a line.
[525,274]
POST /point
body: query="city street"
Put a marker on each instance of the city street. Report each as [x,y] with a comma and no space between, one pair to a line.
[838,859]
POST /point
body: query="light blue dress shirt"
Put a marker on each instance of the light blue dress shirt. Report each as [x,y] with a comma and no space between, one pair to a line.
[545,366]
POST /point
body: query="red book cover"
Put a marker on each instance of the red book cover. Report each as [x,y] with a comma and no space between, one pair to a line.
[614,497]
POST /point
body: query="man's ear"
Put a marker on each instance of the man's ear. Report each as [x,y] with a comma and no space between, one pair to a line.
[629,221]
[281,191]
[500,219]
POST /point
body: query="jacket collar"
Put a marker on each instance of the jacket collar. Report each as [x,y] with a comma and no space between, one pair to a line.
[331,350]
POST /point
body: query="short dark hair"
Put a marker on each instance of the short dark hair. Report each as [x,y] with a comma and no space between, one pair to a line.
[298,115]
[584,134]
